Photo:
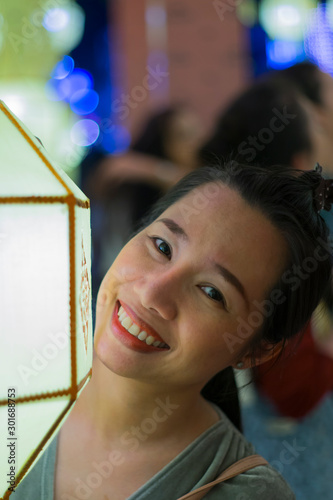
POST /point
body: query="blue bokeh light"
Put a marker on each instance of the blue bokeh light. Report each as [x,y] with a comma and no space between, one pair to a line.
[318,41]
[283,53]
[116,139]
[84,101]
[64,89]
[63,68]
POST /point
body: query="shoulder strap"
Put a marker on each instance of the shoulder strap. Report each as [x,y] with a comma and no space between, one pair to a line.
[242,465]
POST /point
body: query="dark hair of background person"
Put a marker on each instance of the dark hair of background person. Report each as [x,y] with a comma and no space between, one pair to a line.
[306,76]
[286,197]
[256,115]
[153,138]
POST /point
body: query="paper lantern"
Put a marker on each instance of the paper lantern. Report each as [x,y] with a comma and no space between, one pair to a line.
[45,299]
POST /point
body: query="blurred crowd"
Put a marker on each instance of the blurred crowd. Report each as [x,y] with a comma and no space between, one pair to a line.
[285,117]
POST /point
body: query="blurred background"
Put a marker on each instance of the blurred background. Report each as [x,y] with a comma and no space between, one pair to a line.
[123,93]
[85,74]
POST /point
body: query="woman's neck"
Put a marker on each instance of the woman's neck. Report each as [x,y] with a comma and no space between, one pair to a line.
[111,406]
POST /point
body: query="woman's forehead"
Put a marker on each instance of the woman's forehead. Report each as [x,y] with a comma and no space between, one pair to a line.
[207,203]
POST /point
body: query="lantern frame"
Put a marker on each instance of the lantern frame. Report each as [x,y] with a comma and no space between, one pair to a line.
[83,298]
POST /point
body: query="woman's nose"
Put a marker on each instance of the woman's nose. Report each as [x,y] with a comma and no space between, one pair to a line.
[158,292]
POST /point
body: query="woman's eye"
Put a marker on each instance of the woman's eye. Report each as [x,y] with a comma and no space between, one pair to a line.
[213,294]
[163,247]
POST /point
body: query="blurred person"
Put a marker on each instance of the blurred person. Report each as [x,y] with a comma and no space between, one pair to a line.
[271,123]
[268,123]
[172,135]
[164,151]
[317,87]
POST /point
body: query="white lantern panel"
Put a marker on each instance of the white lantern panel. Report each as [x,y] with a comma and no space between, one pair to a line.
[33,422]
[34,269]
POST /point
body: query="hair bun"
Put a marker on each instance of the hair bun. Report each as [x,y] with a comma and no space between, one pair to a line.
[323,194]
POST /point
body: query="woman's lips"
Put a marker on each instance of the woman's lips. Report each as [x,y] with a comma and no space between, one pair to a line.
[130,340]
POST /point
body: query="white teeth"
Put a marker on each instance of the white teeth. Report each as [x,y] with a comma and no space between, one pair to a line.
[127,322]
[143,336]
[134,330]
[122,317]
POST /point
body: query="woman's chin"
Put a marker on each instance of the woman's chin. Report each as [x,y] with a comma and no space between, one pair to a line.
[115,357]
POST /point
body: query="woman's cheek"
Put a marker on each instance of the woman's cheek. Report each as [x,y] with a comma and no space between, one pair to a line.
[132,261]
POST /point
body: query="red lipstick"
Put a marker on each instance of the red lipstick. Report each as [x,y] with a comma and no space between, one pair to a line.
[130,340]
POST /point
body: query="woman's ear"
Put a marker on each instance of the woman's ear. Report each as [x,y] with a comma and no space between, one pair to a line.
[266,352]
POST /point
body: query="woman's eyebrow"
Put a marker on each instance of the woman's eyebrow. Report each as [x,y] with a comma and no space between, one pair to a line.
[231,278]
[174,227]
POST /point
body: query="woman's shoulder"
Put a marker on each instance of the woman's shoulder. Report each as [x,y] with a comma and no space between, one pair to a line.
[261,482]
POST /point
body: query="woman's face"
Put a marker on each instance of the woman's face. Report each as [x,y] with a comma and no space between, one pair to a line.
[188,280]
[185,134]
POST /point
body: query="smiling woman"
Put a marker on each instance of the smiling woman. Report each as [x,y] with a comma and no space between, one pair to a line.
[171,315]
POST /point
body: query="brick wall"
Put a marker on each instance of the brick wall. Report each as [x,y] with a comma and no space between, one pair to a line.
[206,53]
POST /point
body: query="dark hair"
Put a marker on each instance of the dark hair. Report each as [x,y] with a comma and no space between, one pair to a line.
[252,128]
[286,197]
[152,140]
[306,77]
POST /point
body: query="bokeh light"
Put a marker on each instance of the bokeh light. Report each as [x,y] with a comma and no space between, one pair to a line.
[285,20]
[85,132]
[318,41]
[65,26]
[283,53]
[116,139]
[63,68]
[64,89]
[56,19]
[84,101]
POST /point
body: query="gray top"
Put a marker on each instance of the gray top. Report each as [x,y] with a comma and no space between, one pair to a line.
[201,462]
